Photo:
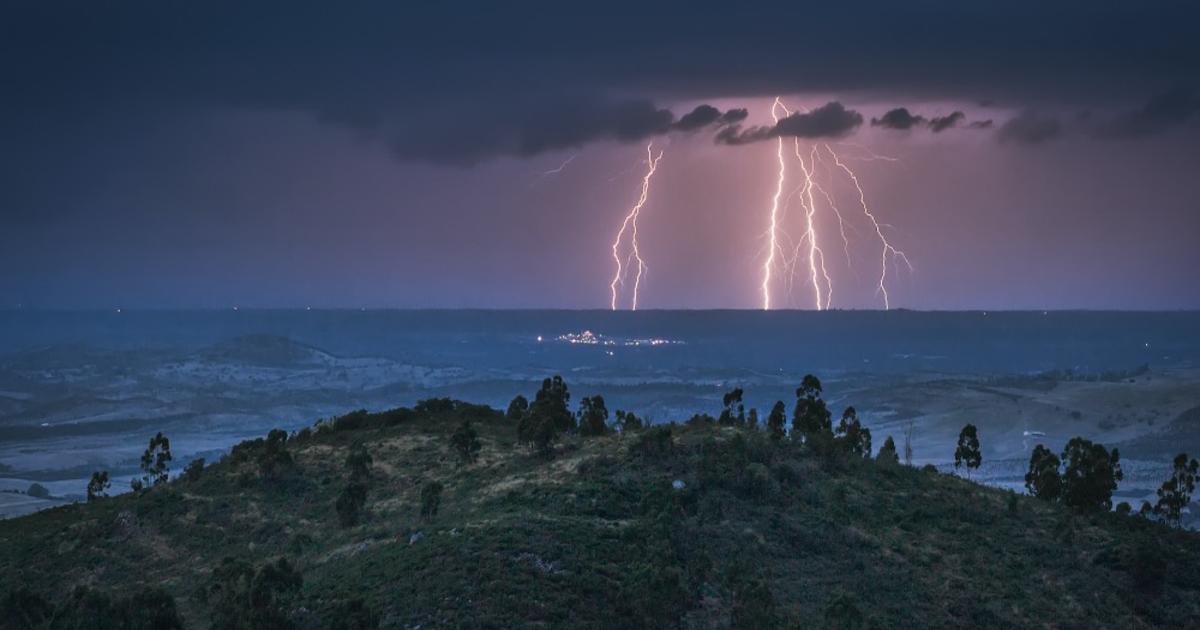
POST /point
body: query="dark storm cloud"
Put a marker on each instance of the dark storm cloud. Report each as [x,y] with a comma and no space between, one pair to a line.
[1029,127]
[899,118]
[831,120]
[419,71]
[981,124]
[546,126]
[939,124]
[1162,112]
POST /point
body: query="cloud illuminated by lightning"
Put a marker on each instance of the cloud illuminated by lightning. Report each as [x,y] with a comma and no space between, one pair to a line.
[630,223]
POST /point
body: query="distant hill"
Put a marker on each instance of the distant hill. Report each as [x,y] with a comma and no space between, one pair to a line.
[266,351]
[701,526]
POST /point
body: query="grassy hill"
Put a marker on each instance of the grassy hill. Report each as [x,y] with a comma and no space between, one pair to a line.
[700,526]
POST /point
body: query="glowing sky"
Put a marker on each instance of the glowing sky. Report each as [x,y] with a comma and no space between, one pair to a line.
[155,155]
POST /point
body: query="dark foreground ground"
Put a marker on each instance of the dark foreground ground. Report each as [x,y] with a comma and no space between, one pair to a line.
[700,526]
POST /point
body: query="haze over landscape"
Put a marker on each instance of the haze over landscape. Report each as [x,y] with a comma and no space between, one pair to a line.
[314,316]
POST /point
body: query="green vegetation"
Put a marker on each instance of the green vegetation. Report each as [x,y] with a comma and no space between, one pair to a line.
[373,520]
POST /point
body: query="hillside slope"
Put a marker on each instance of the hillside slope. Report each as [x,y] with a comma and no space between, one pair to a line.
[706,525]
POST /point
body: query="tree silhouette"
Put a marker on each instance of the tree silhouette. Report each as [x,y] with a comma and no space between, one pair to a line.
[1090,476]
[1043,480]
[852,435]
[98,486]
[1176,492]
[517,408]
[627,421]
[155,460]
[733,412]
[593,416]
[775,420]
[887,453]
[811,416]
[548,417]
[274,458]
[967,452]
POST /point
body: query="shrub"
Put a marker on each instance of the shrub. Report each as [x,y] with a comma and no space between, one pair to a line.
[431,499]
[466,442]
[358,463]
[38,490]
[627,421]
[22,608]
[353,614]
[274,457]
[657,441]
[240,596]
[753,605]
[193,470]
[350,503]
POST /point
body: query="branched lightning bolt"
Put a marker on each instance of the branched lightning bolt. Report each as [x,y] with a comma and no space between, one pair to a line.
[630,224]
[888,250]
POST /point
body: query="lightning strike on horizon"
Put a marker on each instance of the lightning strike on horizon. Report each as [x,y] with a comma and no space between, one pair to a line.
[888,249]
[808,248]
[773,236]
[630,223]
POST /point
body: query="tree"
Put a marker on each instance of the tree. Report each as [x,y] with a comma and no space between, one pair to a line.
[1090,476]
[466,442]
[155,460]
[593,416]
[968,449]
[752,419]
[909,428]
[1043,480]
[431,499]
[775,420]
[733,412]
[853,437]
[98,486]
[274,458]
[358,462]
[548,417]
[517,408]
[38,490]
[1176,492]
[811,417]
[627,421]
[887,453]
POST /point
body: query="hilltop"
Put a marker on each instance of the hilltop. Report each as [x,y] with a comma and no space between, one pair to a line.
[701,524]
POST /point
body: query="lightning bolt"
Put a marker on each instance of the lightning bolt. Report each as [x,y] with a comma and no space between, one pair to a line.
[773,229]
[630,224]
[888,250]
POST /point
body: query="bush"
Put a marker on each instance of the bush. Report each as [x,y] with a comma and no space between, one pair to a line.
[353,614]
[350,503]
[466,442]
[657,441]
[431,499]
[240,596]
[38,490]
[193,470]
[753,605]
